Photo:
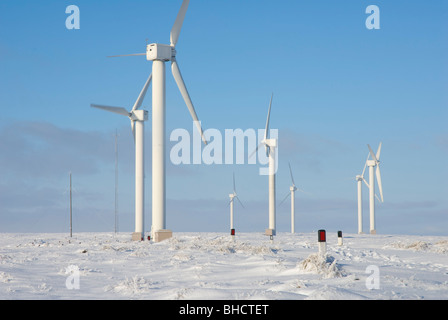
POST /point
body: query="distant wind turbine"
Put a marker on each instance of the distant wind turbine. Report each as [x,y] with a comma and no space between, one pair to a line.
[291,194]
[137,117]
[375,162]
[232,197]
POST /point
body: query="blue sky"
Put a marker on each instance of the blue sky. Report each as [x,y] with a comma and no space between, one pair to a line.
[337,87]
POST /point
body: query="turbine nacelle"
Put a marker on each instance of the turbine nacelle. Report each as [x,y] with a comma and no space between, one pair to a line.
[162,52]
[270,143]
[372,163]
[139,115]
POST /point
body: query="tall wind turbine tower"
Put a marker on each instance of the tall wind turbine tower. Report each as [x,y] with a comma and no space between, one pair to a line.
[270,145]
[159,54]
[375,162]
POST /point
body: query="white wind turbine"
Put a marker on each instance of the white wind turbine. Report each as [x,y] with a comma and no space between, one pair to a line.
[292,190]
[232,196]
[137,117]
[159,54]
[360,179]
[270,145]
[375,162]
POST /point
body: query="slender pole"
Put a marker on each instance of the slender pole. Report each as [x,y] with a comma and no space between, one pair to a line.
[71,205]
[372,197]
[158,147]
[116,181]
[292,211]
[359,205]
[272,222]
[139,177]
[231,211]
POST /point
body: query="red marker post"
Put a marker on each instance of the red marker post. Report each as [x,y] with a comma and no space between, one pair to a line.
[322,242]
[340,238]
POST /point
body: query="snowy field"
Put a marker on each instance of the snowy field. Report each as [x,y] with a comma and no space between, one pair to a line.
[213,266]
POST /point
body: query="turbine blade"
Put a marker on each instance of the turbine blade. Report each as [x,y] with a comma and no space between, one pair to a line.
[234,189]
[128,55]
[266,132]
[365,165]
[372,154]
[284,199]
[290,171]
[367,184]
[256,149]
[133,128]
[378,178]
[376,196]
[240,202]
[118,110]
[175,31]
[303,191]
[378,152]
[183,90]
[142,94]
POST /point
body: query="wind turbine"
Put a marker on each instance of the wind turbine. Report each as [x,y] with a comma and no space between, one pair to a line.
[137,117]
[270,145]
[159,54]
[232,196]
[375,162]
[292,190]
[360,179]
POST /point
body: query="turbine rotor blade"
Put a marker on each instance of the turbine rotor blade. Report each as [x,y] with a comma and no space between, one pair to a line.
[290,171]
[118,110]
[127,55]
[284,199]
[256,149]
[378,178]
[367,184]
[376,196]
[240,202]
[133,128]
[372,154]
[365,165]
[378,152]
[234,189]
[175,31]
[142,94]
[183,90]
[266,132]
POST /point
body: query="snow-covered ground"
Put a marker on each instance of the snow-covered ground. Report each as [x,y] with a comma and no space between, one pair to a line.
[213,266]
